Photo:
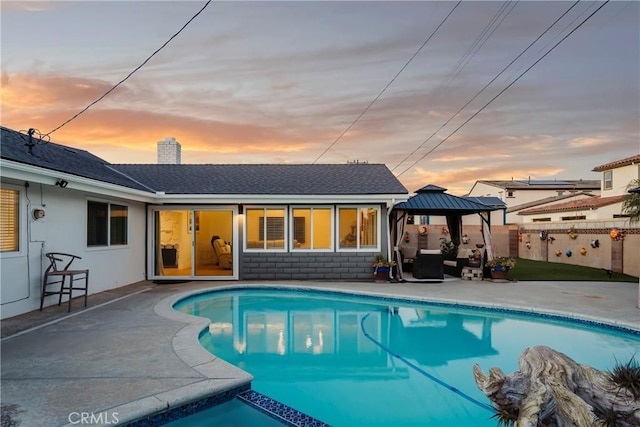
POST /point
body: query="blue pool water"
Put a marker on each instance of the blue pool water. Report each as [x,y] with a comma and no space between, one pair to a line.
[362,361]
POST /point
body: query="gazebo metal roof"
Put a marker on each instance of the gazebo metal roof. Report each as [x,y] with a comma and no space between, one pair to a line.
[432,200]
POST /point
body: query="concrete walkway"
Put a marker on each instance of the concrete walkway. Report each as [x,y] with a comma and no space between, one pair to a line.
[129,353]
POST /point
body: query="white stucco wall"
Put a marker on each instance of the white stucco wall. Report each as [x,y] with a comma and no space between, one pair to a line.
[621,178]
[63,229]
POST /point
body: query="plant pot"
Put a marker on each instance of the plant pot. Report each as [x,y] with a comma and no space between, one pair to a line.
[499,272]
[474,262]
[381,274]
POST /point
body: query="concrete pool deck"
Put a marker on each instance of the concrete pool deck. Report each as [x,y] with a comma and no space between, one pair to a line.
[128,354]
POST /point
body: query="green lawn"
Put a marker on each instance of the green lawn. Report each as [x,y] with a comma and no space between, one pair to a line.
[527,269]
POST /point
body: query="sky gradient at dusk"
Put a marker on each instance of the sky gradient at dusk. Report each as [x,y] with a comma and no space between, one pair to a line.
[279,82]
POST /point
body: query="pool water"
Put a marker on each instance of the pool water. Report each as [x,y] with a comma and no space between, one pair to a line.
[334,358]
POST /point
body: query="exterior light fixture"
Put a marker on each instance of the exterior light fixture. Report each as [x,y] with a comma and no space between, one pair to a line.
[38,214]
[62,183]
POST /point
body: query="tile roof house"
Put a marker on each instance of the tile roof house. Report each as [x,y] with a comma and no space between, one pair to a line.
[616,177]
[133,222]
[525,193]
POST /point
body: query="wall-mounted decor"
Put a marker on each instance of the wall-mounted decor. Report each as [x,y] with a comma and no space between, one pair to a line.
[595,243]
[568,253]
[558,252]
[616,234]
[572,233]
[583,251]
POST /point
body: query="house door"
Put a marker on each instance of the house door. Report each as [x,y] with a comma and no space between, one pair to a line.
[193,243]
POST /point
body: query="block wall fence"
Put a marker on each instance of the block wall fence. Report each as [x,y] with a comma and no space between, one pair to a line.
[621,255]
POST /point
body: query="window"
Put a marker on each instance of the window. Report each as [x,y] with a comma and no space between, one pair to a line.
[575,217]
[265,228]
[541,219]
[9,220]
[607,180]
[312,228]
[510,193]
[358,228]
[107,224]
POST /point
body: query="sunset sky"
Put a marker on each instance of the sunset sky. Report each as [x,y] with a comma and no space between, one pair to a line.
[279,82]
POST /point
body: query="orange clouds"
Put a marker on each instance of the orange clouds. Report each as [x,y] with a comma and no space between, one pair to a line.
[39,92]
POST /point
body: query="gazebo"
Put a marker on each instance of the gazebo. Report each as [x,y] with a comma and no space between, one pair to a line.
[433,200]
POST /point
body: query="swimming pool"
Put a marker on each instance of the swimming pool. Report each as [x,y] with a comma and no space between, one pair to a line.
[333,356]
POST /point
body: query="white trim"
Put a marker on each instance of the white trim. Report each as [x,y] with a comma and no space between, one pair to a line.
[108,202]
[265,249]
[24,221]
[312,208]
[358,208]
[35,174]
[151,242]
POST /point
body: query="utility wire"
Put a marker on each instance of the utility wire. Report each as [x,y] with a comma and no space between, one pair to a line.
[482,38]
[486,85]
[131,73]
[503,90]
[388,84]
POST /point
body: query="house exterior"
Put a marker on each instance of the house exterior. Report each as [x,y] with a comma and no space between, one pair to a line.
[519,194]
[616,177]
[587,230]
[184,222]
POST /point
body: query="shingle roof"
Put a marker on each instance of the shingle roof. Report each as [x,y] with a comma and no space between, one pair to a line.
[272,179]
[432,200]
[566,184]
[60,158]
[576,205]
[618,163]
[276,179]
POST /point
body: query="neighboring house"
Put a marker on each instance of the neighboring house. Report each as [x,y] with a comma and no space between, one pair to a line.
[590,227]
[616,177]
[524,192]
[185,222]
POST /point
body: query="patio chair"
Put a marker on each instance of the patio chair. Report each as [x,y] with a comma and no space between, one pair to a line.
[59,274]
[428,264]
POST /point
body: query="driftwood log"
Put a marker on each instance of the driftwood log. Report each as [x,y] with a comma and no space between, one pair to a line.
[550,389]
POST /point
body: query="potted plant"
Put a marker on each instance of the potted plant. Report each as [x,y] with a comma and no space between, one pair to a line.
[448,248]
[500,266]
[381,268]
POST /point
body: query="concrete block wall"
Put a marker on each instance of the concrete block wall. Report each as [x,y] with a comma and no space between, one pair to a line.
[622,256]
[307,266]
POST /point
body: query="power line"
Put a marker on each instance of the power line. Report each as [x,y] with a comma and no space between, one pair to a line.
[388,84]
[487,85]
[477,44]
[503,90]
[131,73]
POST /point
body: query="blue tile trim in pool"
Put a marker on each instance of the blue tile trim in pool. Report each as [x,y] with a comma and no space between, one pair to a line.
[182,411]
[279,411]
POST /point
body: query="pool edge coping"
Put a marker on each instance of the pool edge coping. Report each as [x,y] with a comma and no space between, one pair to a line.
[187,347]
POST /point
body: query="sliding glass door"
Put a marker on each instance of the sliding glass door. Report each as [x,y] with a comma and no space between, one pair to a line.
[193,243]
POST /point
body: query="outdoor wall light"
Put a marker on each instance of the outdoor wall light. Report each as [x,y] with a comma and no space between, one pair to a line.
[62,183]
[38,214]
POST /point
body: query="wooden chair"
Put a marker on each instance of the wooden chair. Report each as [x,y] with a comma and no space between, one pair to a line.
[57,273]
